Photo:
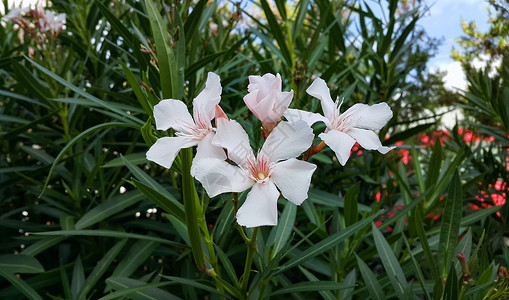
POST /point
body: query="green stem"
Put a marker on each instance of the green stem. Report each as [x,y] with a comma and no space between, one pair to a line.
[209,243]
[192,208]
[251,248]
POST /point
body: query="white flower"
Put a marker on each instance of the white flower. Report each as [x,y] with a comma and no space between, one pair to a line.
[275,167]
[52,22]
[14,13]
[356,124]
[190,131]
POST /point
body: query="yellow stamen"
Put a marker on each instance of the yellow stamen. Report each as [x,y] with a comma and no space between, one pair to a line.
[261,176]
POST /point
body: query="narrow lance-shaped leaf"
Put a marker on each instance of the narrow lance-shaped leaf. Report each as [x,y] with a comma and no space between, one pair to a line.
[390,263]
[374,288]
[351,201]
[281,233]
[12,263]
[165,55]
[100,268]
[328,243]
[78,138]
[451,220]
[21,285]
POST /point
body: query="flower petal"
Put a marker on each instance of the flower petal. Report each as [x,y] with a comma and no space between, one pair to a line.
[283,100]
[310,118]
[172,113]
[372,117]
[293,177]
[231,136]
[288,140]
[217,176]
[341,143]
[260,207]
[165,149]
[368,140]
[266,82]
[205,103]
[320,90]
[205,149]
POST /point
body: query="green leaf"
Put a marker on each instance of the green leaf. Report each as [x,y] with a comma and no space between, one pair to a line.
[171,206]
[404,135]
[328,243]
[327,295]
[20,263]
[77,139]
[434,165]
[134,158]
[137,290]
[351,202]
[451,291]
[146,133]
[109,233]
[106,209]
[165,56]
[191,25]
[136,256]
[227,265]
[118,113]
[390,263]
[451,220]
[190,282]
[275,29]
[31,83]
[280,234]
[418,170]
[479,215]
[331,200]
[142,97]
[417,267]
[42,245]
[445,179]
[311,286]
[154,191]
[374,288]
[464,246]
[419,227]
[78,278]
[21,285]
[101,268]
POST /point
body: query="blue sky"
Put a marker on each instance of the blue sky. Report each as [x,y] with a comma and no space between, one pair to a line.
[443,20]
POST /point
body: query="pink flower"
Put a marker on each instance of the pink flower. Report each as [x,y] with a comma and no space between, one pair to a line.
[190,131]
[266,100]
[356,124]
[275,167]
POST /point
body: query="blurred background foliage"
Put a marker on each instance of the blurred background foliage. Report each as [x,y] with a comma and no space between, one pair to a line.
[83,214]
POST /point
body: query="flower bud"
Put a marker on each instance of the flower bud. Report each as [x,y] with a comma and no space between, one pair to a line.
[266,100]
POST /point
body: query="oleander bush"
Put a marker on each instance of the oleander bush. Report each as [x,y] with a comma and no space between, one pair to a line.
[328,104]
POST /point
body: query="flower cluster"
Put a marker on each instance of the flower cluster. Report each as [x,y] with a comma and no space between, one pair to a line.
[225,161]
[37,23]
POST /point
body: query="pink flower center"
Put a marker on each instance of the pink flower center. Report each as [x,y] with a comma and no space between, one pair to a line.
[195,131]
[260,168]
[344,122]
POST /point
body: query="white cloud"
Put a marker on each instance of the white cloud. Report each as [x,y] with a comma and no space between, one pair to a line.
[455,78]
